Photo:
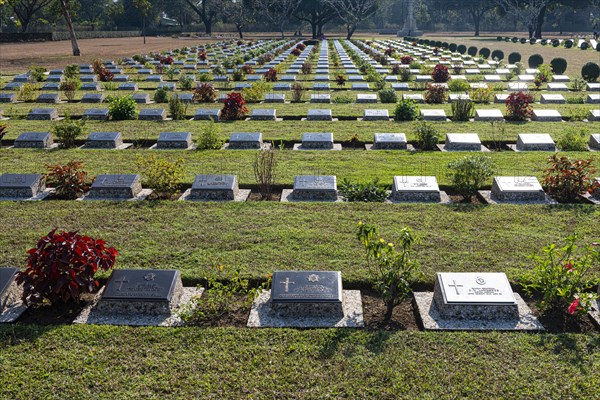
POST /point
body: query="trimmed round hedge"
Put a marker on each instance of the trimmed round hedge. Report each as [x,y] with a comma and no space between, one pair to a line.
[535,60]
[498,55]
[568,43]
[472,51]
[559,65]
[452,47]
[462,49]
[484,52]
[590,72]
[514,58]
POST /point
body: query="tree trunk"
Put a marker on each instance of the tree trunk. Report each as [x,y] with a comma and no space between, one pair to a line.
[350,29]
[476,20]
[144,28]
[67,16]
[389,309]
[239,29]
[540,22]
[207,26]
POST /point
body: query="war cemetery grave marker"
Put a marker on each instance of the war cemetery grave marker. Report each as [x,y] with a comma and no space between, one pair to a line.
[48,98]
[23,187]
[305,299]
[312,188]
[96,114]
[462,142]
[35,140]
[43,114]
[591,98]
[434,115]
[93,98]
[546,116]
[417,189]
[488,115]
[474,301]
[216,188]
[534,142]
[207,114]
[376,115]
[174,140]
[320,98]
[389,141]
[319,114]
[8,98]
[594,142]
[117,187]
[317,141]
[594,115]
[11,305]
[142,98]
[138,298]
[516,189]
[246,141]
[106,140]
[264,114]
[152,114]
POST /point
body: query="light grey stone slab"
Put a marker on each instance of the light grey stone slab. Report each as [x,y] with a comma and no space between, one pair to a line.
[317,141]
[594,115]
[415,189]
[561,78]
[500,98]
[552,99]
[319,114]
[106,140]
[593,87]
[152,114]
[526,78]
[115,187]
[535,142]
[594,142]
[389,141]
[376,115]
[274,98]
[517,86]
[488,115]
[366,98]
[35,140]
[558,87]
[315,188]
[455,97]
[517,189]
[263,114]
[434,115]
[462,142]
[415,97]
[207,114]
[320,98]
[245,141]
[11,305]
[219,187]
[593,99]
[174,140]
[546,116]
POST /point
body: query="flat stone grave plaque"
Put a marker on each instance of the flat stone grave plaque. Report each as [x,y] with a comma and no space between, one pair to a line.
[595,141]
[21,186]
[21,78]
[558,87]
[315,187]
[526,78]
[321,78]
[323,141]
[43,114]
[152,114]
[128,86]
[593,87]
[8,97]
[376,115]
[391,78]
[389,141]
[321,87]
[207,114]
[253,78]
[546,116]
[560,78]
[400,86]
[517,86]
[241,86]
[306,287]
[92,86]
[552,99]
[7,278]
[462,142]
[274,98]
[174,140]
[517,188]
[591,99]
[492,78]
[594,115]
[48,98]
[154,78]
[488,115]
[535,142]
[185,97]
[88,78]
[355,78]
[319,114]
[281,86]
[472,71]
[142,98]
[263,114]
[11,304]
[485,295]
[433,115]
[97,114]
[144,71]
[214,188]
[500,98]
[360,86]
[423,78]
[320,98]
[121,78]
[415,97]
[455,97]
[13,86]
[366,98]
[141,286]
[50,87]
[416,188]
[36,140]
[245,140]
[117,187]
[104,140]
[93,98]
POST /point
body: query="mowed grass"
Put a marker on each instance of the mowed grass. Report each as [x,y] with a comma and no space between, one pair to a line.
[264,237]
[228,363]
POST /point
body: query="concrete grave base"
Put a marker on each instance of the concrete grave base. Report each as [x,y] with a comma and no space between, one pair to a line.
[336,146]
[264,146]
[263,119]
[591,198]
[374,119]
[432,320]
[242,195]
[420,198]
[91,315]
[121,147]
[141,196]
[11,306]
[320,120]
[40,196]
[262,315]
[371,146]
[155,147]
[486,195]
[442,147]
[51,147]
[595,313]
[286,197]
[513,147]
[12,312]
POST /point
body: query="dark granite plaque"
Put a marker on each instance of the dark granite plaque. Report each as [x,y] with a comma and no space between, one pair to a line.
[97,114]
[16,186]
[118,187]
[245,140]
[174,140]
[7,277]
[121,78]
[264,114]
[214,187]
[22,78]
[91,86]
[169,86]
[206,114]
[43,114]
[306,287]
[281,86]
[141,285]
[104,140]
[142,98]
[55,78]
[38,140]
[13,86]
[88,78]
[153,114]
[8,97]
[128,86]
[154,78]
[50,87]
[185,97]
[48,98]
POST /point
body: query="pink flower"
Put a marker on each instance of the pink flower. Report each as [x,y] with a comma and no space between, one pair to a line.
[573,306]
[568,266]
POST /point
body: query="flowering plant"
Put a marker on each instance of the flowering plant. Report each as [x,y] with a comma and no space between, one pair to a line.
[406,60]
[518,106]
[440,74]
[234,107]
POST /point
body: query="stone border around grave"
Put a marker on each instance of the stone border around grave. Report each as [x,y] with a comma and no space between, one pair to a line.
[595,313]
[304,119]
[513,147]
[286,197]
[336,146]
[277,119]
[155,147]
[409,147]
[40,196]
[141,196]
[591,198]
[89,314]
[121,147]
[486,195]
[264,146]
[263,316]
[51,147]
[16,307]
[444,199]
[241,196]
[431,319]
[442,147]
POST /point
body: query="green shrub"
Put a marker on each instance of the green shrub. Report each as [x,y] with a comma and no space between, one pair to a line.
[388,96]
[210,137]
[205,77]
[497,55]
[67,131]
[470,173]
[573,140]
[406,110]
[535,60]
[559,65]
[69,88]
[256,92]
[458,85]
[177,108]
[37,73]
[427,134]
[161,174]
[462,110]
[484,52]
[472,51]
[161,95]
[482,95]
[590,71]
[514,58]
[71,71]
[121,107]
[578,84]
[28,91]
[368,192]
[186,82]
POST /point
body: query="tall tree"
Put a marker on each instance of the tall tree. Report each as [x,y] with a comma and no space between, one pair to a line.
[26,9]
[530,12]
[353,12]
[144,7]
[277,12]
[66,6]
[317,13]
[207,10]
[240,13]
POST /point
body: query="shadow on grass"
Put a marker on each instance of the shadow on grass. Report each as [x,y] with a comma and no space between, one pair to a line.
[570,349]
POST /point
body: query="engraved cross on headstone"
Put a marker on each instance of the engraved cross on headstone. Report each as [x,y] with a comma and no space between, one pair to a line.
[456,286]
[287,283]
[122,281]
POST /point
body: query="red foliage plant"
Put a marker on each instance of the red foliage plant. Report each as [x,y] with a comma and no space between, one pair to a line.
[518,106]
[270,75]
[69,181]
[406,60]
[301,46]
[440,74]
[435,93]
[234,107]
[389,51]
[62,266]
[247,69]
[202,55]
[205,93]
[296,52]
[103,73]
[566,179]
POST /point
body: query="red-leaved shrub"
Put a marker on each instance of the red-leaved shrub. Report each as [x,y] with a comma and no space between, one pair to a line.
[205,93]
[518,106]
[296,52]
[202,55]
[69,181]
[406,60]
[389,51]
[436,93]
[440,74]
[234,107]
[301,46]
[566,179]
[270,75]
[62,266]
